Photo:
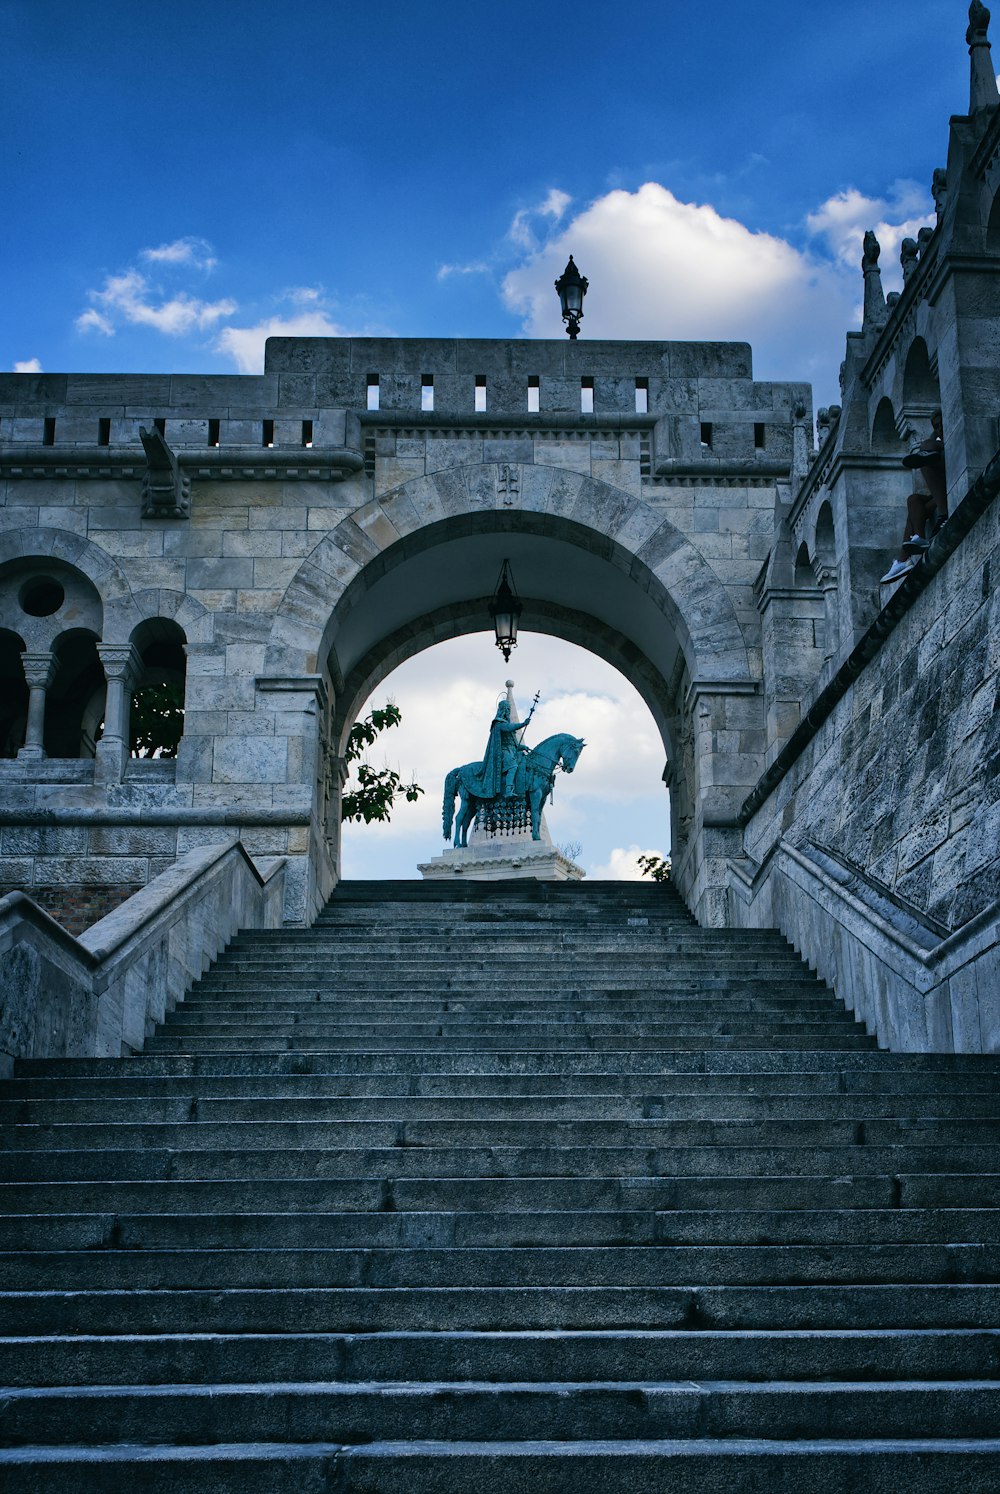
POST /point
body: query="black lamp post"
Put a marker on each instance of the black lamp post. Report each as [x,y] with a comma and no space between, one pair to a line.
[572,287]
[505,609]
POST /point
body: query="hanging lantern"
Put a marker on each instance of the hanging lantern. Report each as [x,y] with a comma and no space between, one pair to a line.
[572,287]
[505,609]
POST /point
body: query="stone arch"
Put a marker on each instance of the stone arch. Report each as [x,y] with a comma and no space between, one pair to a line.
[587,515]
[804,576]
[885,437]
[458,620]
[825,542]
[920,385]
[192,618]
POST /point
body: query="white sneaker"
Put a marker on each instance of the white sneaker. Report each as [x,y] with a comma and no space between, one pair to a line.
[898,569]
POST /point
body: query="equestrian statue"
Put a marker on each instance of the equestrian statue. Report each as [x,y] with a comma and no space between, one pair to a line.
[509,788]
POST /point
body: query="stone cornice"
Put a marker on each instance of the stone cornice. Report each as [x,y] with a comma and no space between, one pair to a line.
[234,464]
[456,423]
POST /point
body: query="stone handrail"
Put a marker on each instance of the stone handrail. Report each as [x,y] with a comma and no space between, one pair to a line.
[100,995]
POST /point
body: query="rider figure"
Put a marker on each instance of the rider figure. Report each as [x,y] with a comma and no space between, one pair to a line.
[503,753]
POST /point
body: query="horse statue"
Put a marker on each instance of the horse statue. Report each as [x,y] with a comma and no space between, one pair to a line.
[536,773]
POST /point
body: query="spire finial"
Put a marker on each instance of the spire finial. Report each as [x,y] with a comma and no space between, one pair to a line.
[983,93]
[875,312]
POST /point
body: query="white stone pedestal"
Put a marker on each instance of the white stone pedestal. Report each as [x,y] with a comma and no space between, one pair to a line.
[500,859]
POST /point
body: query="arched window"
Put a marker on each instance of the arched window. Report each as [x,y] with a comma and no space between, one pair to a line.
[13,694]
[157,715]
[74,702]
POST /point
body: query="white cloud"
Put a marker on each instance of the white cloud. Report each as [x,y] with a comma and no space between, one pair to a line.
[552,206]
[188,251]
[93,321]
[28,365]
[662,268]
[841,221]
[245,345]
[129,299]
[475,267]
[622,865]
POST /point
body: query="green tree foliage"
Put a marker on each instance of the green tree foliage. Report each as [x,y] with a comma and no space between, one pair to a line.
[157,720]
[376,789]
[657,867]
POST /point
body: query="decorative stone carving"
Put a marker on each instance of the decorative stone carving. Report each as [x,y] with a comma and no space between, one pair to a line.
[908,253]
[39,672]
[939,190]
[166,492]
[875,310]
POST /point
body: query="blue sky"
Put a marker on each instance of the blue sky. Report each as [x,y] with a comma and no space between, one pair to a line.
[181,180]
[387,168]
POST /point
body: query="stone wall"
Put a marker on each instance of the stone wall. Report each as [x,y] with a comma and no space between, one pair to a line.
[895,805]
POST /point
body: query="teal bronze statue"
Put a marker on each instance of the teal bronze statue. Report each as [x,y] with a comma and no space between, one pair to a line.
[510,786]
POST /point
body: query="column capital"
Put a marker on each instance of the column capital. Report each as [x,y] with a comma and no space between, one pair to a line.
[39,668]
[120,661]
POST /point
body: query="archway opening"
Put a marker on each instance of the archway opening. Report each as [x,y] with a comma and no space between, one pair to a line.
[613,807]
[156,721]
[920,385]
[74,702]
[13,694]
[885,438]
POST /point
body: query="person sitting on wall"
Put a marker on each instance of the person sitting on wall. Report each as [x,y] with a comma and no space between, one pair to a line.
[927,505]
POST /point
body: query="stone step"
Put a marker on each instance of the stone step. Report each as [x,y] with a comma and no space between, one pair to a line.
[148,1162]
[142,1109]
[429,1062]
[111,1268]
[360,1136]
[444,1229]
[248,1358]
[511,1042]
[926,1094]
[470,1410]
[333,1024]
[698,1466]
[519,1308]
[380,1195]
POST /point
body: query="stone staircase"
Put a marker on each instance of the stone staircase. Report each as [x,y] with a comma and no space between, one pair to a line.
[531,1187]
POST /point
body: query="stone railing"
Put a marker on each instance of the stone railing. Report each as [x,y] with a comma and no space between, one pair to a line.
[916,986]
[100,995]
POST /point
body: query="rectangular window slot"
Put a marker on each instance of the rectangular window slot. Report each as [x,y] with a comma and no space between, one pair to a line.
[49,431]
[706,435]
[307,433]
[759,435]
[642,396]
[427,391]
[160,424]
[104,432]
[480,392]
[267,433]
[586,396]
[373,391]
[214,432]
[534,394]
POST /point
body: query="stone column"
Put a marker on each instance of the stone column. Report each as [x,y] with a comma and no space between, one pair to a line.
[122,664]
[39,672]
